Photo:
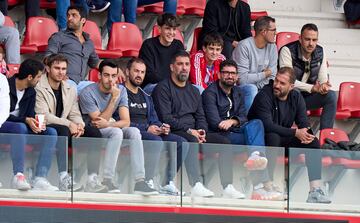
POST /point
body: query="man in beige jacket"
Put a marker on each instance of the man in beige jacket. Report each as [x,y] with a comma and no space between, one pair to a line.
[57,100]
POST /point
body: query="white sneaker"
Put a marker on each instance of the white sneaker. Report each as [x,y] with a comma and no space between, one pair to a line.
[41,183]
[65,184]
[231,192]
[171,189]
[256,162]
[19,182]
[94,185]
[151,184]
[199,190]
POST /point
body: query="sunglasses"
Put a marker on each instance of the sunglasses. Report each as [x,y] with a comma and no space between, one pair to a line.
[307,66]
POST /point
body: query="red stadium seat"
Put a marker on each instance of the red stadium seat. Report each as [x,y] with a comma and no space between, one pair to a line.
[14,2]
[283,38]
[348,105]
[178,34]
[125,38]
[193,7]
[94,75]
[9,22]
[336,135]
[140,10]
[13,69]
[255,15]
[194,46]
[44,4]
[38,31]
[92,29]
[157,8]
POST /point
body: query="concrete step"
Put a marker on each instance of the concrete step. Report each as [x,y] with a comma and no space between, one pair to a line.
[343,74]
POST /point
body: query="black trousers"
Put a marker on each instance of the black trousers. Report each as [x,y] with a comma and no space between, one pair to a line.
[93,147]
[192,161]
[32,7]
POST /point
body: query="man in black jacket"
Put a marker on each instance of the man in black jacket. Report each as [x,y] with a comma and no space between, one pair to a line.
[278,106]
[179,104]
[22,121]
[230,18]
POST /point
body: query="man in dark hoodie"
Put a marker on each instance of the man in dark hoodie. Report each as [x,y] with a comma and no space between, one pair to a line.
[278,107]
[230,18]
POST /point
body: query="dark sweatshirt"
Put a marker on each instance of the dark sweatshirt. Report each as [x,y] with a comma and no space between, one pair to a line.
[157,58]
[278,116]
[180,107]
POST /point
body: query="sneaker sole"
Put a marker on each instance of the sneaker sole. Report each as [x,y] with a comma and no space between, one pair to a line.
[103,9]
[230,197]
[104,190]
[146,193]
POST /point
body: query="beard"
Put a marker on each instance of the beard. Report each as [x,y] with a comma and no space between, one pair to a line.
[134,83]
[228,83]
[182,77]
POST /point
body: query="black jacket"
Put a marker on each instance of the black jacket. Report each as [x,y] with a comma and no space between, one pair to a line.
[217,19]
[26,105]
[217,106]
[266,108]
[180,107]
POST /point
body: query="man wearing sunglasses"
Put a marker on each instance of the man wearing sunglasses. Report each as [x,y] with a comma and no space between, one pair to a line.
[308,60]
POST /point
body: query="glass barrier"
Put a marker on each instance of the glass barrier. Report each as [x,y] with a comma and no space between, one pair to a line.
[331,176]
[224,176]
[30,166]
[113,171]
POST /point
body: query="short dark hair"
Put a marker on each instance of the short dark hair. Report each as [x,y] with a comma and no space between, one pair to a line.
[109,63]
[213,39]
[309,26]
[29,67]
[168,19]
[290,72]
[134,60]
[50,60]
[83,13]
[180,53]
[228,63]
[262,23]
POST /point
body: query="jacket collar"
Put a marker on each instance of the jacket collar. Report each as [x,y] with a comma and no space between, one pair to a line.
[12,88]
[44,83]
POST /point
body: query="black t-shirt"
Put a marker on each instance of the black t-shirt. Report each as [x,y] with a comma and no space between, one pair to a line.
[231,32]
[59,102]
[137,107]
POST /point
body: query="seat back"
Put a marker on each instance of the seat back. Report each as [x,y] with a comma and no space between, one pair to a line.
[9,22]
[92,29]
[349,96]
[336,135]
[255,15]
[283,38]
[196,36]
[13,69]
[38,31]
[193,7]
[125,37]
[94,75]
[178,35]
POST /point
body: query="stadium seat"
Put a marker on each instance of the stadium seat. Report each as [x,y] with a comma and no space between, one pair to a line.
[14,2]
[196,35]
[45,4]
[193,7]
[13,69]
[94,75]
[178,35]
[125,38]
[348,105]
[9,22]
[92,29]
[140,10]
[38,31]
[336,135]
[255,15]
[157,8]
[283,38]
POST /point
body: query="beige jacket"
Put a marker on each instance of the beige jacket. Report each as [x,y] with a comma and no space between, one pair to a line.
[46,103]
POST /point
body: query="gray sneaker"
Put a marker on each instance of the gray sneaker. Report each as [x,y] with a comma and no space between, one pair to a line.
[94,185]
[318,196]
[110,186]
[143,188]
[65,184]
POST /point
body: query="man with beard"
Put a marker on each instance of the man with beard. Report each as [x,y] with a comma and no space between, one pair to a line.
[99,102]
[143,116]
[22,121]
[75,45]
[225,112]
[179,104]
[308,60]
[278,106]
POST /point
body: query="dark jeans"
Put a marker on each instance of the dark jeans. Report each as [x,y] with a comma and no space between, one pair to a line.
[18,142]
[152,154]
[192,163]
[94,150]
[228,49]
[327,102]
[312,155]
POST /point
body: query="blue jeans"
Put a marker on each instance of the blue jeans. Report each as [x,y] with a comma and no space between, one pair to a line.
[47,146]
[249,91]
[130,6]
[250,133]
[61,9]
[152,154]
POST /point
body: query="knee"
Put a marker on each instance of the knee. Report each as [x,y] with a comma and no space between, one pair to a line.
[117,133]
[51,131]
[13,33]
[331,97]
[21,128]
[256,125]
[63,130]
[134,133]
[272,139]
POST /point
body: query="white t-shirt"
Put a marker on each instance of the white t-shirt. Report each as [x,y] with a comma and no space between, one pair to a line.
[19,95]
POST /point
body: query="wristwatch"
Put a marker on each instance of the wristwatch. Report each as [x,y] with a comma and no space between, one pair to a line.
[189,131]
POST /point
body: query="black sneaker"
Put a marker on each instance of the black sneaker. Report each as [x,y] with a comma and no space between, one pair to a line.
[110,186]
[143,188]
[318,196]
[99,8]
